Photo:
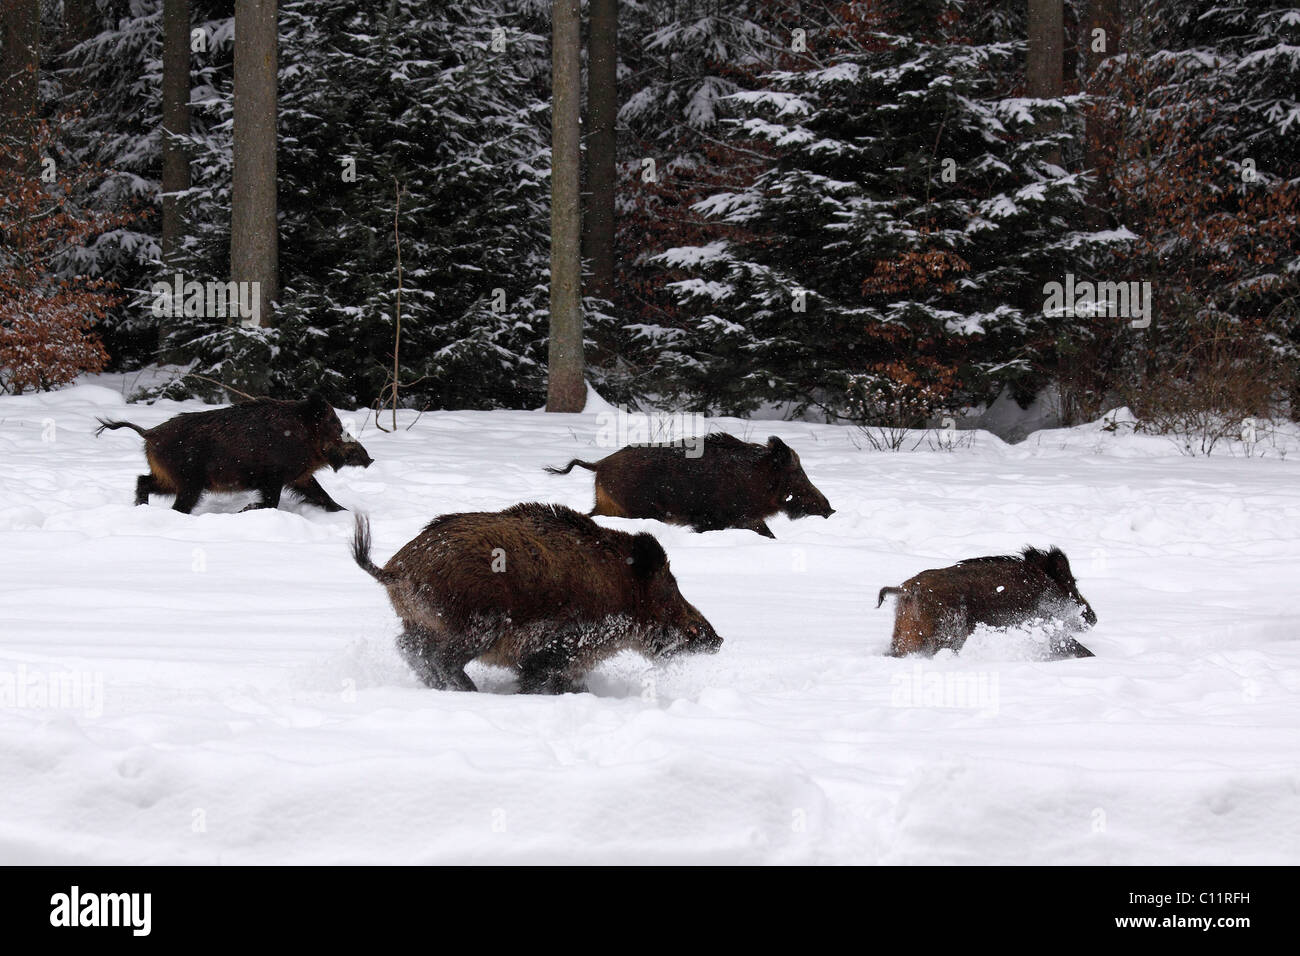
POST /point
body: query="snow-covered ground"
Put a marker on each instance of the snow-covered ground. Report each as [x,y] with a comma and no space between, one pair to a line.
[233,695]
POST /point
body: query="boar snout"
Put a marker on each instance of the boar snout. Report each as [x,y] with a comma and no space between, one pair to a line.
[701,638]
[808,501]
[704,639]
[691,633]
[357,455]
[349,453]
[1089,615]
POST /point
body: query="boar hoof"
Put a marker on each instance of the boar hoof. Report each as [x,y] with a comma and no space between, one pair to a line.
[416,645]
[144,485]
[551,684]
[539,680]
[457,679]
[434,678]
[426,673]
[548,672]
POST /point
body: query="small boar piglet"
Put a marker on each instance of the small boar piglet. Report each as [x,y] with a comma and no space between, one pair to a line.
[731,484]
[538,588]
[941,608]
[264,445]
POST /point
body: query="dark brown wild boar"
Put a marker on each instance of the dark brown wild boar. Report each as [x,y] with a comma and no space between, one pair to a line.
[540,588]
[264,445]
[942,607]
[730,484]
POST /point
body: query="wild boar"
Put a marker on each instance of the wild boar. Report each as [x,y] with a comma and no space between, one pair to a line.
[730,484]
[536,587]
[942,607]
[264,445]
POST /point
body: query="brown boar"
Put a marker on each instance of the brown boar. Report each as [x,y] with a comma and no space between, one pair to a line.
[540,588]
[730,484]
[942,607]
[264,445]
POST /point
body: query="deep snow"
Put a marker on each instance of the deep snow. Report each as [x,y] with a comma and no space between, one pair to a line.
[254,710]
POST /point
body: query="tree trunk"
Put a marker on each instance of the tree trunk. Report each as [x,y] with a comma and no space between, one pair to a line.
[79,21]
[20,46]
[1101,132]
[254,246]
[602,111]
[1044,78]
[566,390]
[175,122]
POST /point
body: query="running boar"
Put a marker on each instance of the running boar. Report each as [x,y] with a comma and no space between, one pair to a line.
[264,445]
[941,608]
[731,484]
[540,588]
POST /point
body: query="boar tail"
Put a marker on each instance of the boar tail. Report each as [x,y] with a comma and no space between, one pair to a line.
[112,425]
[569,467]
[361,551]
[880,599]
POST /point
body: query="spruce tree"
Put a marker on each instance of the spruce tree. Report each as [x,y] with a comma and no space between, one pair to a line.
[445,102]
[890,263]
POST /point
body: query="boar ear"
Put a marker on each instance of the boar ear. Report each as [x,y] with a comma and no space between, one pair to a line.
[318,407]
[1058,566]
[647,555]
[780,451]
[1053,563]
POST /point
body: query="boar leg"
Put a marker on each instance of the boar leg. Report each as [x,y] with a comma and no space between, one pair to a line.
[187,497]
[548,671]
[912,627]
[450,661]
[418,646]
[457,679]
[951,630]
[270,495]
[145,485]
[758,525]
[414,645]
[312,492]
[702,523]
[549,682]
[186,480]
[606,505]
